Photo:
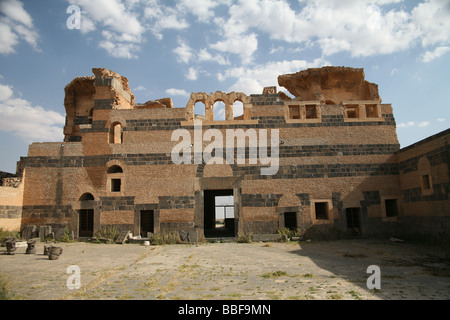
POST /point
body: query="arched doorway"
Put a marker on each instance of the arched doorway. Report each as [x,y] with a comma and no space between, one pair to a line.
[86,216]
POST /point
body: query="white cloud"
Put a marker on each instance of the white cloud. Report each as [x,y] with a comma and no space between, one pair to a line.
[411,124]
[183,51]
[202,9]
[433,20]
[276,50]
[14,10]
[436,53]
[140,88]
[440,119]
[8,39]
[163,18]
[5,92]
[111,14]
[31,123]
[120,27]
[177,92]
[192,74]
[244,46]
[204,55]
[119,49]
[406,125]
[14,25]
[359,27]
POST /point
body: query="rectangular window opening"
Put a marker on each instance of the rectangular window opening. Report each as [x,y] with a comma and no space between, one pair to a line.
[352,111]
[294,112]
[321,210]
[115,185]
[426,182]
[224,208]
[391,206]
[371,111]
[311,112]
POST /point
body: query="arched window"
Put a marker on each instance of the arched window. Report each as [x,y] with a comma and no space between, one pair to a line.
[115,169]
[115,178]
[238,110]
[116,133]
[86,197]
[199,110]
[219,110]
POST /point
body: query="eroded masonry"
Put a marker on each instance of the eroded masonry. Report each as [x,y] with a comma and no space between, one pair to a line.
[340,168]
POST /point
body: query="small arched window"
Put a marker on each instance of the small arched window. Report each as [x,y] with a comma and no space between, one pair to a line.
[86,197]
[115,178]
[199,111]
[116,133]
[219,110]
[115,169]
[238,110]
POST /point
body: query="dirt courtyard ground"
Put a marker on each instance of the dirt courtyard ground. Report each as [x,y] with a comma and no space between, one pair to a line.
[237,271]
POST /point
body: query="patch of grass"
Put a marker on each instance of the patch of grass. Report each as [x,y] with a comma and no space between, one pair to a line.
[336,296]
[274,274]
[7,234]
[171,237]
[6,292]
[306,275]
[286,234]
[355,294]
[235,295]
[107,234]
[244,238]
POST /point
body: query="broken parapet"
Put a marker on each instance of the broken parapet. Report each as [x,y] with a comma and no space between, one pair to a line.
[159,103]
[121,92]
[105,90]
[331,85]
[11,182]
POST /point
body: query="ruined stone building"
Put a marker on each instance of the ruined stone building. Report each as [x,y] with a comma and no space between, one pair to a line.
[340,168]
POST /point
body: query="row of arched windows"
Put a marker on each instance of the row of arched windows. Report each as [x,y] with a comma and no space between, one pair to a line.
[219,110]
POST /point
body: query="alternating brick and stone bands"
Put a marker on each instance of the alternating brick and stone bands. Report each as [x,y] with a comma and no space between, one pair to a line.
[338,164]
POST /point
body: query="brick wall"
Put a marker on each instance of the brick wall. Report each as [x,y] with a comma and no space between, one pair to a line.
[426,205]
[11,200]
[329,163]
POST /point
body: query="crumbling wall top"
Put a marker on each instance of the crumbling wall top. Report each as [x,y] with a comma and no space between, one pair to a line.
[330,84]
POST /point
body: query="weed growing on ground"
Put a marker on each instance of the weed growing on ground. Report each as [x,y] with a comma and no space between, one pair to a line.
[274,274]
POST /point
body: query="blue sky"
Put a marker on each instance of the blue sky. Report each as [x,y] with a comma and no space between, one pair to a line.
[173,48]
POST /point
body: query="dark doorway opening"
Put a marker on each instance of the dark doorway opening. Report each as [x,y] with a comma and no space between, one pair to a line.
[219,220]
[290,220]
[353,216]
[147,222]
[86,223]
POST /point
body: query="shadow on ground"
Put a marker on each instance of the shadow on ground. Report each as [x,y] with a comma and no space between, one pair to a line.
[407,271]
